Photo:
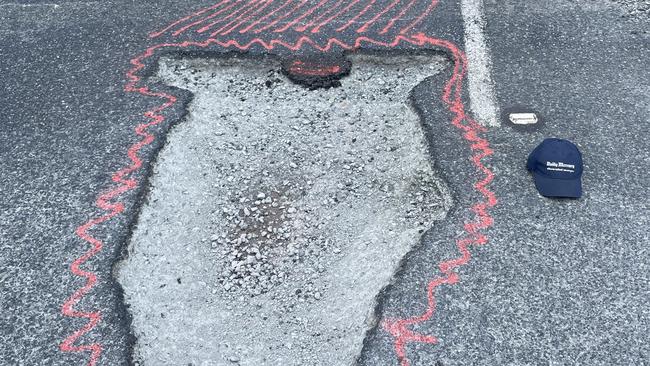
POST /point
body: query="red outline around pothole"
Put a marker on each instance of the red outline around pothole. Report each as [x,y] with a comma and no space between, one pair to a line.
[452,97]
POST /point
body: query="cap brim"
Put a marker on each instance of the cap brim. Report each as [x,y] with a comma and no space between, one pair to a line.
[548,187]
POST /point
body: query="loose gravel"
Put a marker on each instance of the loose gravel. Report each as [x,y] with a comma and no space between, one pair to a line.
[276,214]
[635,8]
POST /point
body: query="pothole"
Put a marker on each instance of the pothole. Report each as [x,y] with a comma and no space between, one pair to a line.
[276,214]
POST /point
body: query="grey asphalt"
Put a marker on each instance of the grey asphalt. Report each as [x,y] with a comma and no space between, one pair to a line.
[65,127]
[560,282]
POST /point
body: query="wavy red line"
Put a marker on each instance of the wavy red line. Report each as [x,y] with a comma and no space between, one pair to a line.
[127,184]
[451,96]
[481,149]
[112,209]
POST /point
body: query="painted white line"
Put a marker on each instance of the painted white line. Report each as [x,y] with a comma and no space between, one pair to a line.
[482,96]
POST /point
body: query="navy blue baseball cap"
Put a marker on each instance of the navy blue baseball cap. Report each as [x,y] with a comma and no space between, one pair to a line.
[556,165]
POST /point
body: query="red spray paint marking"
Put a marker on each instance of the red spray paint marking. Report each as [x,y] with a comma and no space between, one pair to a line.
[303,16]
[320,17]
[480,150]
[284,16]
[213,15]
[311,69]
[239,21]
[451,97]
[338,14]
[398,17]
[258,21]
[242,9]
[112,210]
[419,19]
[377,16]
[354,19]
[180,21]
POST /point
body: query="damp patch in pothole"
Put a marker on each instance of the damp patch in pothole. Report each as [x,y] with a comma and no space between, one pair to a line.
[276,213]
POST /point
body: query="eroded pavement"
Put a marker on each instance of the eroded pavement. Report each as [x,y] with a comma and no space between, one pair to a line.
[292,209]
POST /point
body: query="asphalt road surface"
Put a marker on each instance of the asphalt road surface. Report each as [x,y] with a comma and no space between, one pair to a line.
[548,282]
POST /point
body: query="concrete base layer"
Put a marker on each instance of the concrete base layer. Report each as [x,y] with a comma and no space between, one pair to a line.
[276,214]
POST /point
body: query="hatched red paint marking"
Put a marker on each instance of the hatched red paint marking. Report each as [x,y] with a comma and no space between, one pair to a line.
[336,15]
[398,328]
[321,16]
[399,16]
[242,9]
[419,19]
[240,19]
[372,21]
[284,16]
[303,16]
[268,15]
[180,21]
[359,15]
[213,15]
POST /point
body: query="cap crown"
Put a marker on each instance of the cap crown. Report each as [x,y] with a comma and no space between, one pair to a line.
[556,159]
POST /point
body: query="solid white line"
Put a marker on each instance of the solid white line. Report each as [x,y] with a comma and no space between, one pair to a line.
[482,97]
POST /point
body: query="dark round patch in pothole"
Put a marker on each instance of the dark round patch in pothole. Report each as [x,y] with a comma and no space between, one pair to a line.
[522,118]
[315,72]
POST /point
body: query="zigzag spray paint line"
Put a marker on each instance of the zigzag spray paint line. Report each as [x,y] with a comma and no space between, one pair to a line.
[109,202]
[480,147]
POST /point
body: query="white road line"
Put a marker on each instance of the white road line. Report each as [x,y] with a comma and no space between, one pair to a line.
[483,100]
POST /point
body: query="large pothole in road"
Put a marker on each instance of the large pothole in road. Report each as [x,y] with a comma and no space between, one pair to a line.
[276,214]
